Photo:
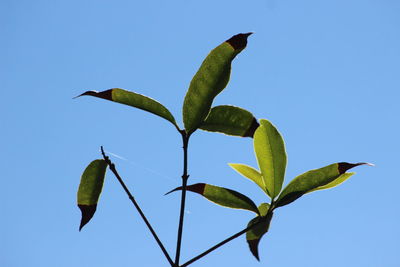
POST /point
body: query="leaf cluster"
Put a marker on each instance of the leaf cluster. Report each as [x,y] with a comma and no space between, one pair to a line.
[198,113]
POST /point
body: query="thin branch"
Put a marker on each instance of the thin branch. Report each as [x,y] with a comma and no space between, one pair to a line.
[114,170]
[185,176]
[222,243]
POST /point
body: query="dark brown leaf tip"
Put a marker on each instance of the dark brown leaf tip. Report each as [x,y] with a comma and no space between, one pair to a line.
[196,188]
[252,129]
[344,166]
[253,246]
[87,214]
[239,41]
[107,94]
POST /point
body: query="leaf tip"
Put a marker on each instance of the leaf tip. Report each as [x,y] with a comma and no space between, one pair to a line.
[253,246]
[345,166]
[92,93]
[87,214]
[196,188]
[107,94]
[173,190]
[252,129]
[239,41]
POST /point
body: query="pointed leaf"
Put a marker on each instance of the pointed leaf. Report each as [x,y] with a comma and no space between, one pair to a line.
[322,178]
[271,156]
[249,173]
[222,196]
[90,188]
[134,100]
[254,235]
[230,120]
[211,78]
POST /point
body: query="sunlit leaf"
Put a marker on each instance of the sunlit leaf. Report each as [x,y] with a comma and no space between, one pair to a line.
[222,196]
[342,178]
[230,120]
[211,78]
[90,188]
[317,179]
[271,156]
[254,235]
[134,100]
[263,208]
[249,173]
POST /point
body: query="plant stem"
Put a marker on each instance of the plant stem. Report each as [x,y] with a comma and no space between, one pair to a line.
[185,176]
[114,170]
[222,243]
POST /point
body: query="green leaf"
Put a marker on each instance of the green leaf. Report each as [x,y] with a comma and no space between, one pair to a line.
[230,120]
[134,100]
[211,78]
[342,178]
[249,173]
[90,187]
[222,196]
[317,179]
[254,235]
[263,209]
[271,156]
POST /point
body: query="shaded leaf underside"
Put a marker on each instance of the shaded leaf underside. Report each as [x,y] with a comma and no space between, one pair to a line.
[254,235]
[230,120]
[211,78]
[222,196]
[318,179]
[134,100]
[90,188]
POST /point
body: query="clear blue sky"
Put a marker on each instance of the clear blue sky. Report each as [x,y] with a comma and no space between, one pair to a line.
[326,73]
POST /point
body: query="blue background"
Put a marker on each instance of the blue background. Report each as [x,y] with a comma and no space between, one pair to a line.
[326,73]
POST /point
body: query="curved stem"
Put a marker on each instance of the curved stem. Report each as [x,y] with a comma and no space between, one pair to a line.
[185,176]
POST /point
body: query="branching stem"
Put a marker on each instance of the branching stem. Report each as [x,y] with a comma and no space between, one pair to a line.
[114,170]
[223,242]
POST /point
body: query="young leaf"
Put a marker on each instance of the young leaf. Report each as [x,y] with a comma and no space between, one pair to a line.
[254,235]
[249,173]
[90,188]
[230,120]
[271,156]
[211,78]
[222,196]
[317,179]
[134,100]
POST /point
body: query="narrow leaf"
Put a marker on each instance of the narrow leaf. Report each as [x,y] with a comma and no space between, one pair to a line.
[134,100]
[271,156]
[90,188]
[230,120]
[222,196]
[211,78]
[254,235]
[249,173]
[317,179]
